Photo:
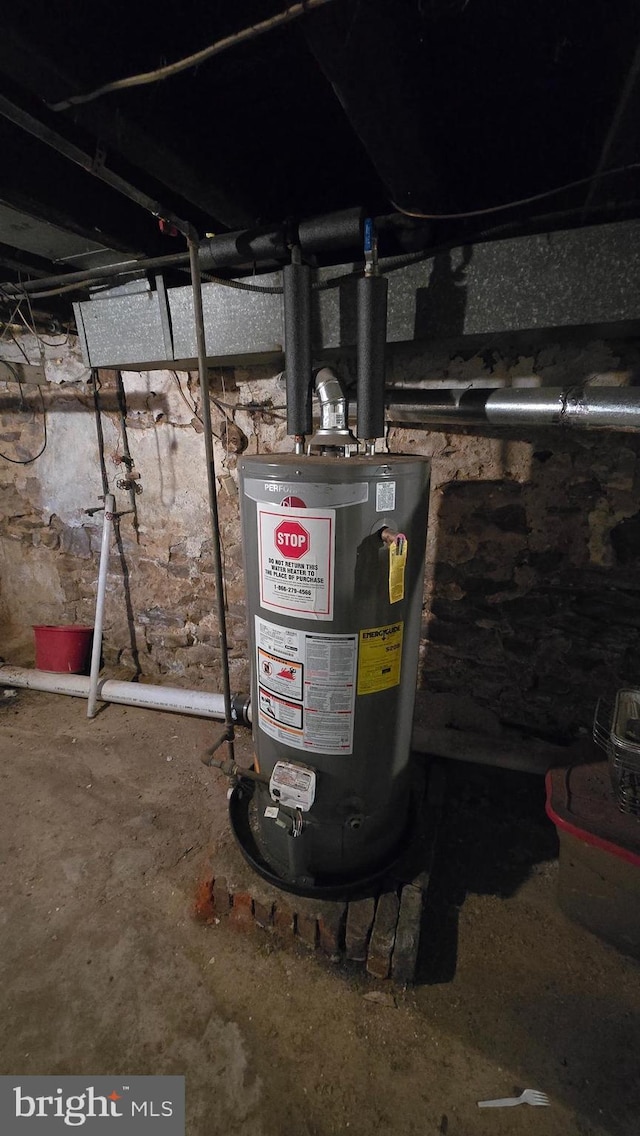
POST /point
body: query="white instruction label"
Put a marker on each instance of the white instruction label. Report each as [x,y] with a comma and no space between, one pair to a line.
[296,558]
[306,687]
[385,496]
[279,709]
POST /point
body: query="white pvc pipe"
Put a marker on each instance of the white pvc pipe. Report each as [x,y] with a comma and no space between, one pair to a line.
[198,703]
[460,745]
[96,653]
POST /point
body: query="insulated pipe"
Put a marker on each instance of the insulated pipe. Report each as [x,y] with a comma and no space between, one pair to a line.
[96,652]
[249,246]
[296,281]
[372,338]
[617,408]
[332,232]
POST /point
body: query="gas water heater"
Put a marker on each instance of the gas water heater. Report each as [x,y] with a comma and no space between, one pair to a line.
[334,560]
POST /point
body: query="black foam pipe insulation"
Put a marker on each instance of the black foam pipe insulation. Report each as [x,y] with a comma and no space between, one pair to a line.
[372,337]
[296,281]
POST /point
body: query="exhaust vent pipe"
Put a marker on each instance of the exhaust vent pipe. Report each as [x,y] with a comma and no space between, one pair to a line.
[615,408]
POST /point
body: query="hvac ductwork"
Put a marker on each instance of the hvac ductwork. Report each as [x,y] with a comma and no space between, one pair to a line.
[616,408]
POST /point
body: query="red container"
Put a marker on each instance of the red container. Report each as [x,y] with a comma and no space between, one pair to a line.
[599,880]
[63,649]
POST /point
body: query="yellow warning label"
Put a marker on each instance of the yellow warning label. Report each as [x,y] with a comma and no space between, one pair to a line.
[397,565]
[380,658]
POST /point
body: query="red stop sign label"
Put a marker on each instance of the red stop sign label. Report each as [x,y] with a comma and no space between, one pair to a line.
[291,539]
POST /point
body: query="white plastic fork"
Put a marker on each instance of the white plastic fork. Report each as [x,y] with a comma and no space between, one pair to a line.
[529,1096]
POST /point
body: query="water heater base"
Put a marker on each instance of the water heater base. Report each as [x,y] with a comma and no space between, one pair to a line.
[322,887]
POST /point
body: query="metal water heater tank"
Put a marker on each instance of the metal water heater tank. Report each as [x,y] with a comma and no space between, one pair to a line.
[334,561]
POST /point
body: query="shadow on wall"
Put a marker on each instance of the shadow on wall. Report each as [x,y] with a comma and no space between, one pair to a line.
[535,607]
[66,400]
[442,305]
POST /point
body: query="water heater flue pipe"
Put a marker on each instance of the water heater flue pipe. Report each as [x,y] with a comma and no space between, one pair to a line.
[614,408]
[334,411]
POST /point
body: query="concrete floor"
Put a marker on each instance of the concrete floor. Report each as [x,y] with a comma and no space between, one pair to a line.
[104,833]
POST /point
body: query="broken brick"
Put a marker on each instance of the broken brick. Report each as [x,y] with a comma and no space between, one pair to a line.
[284,921]
[331,921]
[203,906]
[221,897]
[307,926]
[263,914]
[241,917]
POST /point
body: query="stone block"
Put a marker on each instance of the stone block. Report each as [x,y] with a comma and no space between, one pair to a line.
[383,935]
[160,617]
[360,918]
[49,539]
[407,938]
[76,542]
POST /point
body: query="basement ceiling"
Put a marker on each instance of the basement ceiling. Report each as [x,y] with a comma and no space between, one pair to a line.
[435,106]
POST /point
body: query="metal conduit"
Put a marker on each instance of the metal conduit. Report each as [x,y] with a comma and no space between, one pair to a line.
[617,408]
[216,548]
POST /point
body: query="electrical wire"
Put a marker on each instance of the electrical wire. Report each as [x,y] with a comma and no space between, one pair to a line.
[17,379]
[522,201]
[239,285]
[20,348]
[201,56]
[7,326]
[184,398]
[31,327]
[28,461]
[10,367]
[77,287]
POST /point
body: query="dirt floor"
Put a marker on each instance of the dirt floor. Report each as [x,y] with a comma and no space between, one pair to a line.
[104,833]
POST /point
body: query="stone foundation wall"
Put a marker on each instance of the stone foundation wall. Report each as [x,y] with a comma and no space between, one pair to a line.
[531,595]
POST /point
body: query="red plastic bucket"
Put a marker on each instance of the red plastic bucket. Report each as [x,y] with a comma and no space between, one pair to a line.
[63,649]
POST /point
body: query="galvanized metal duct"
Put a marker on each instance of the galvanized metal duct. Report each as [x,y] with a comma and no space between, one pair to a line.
[616,408]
